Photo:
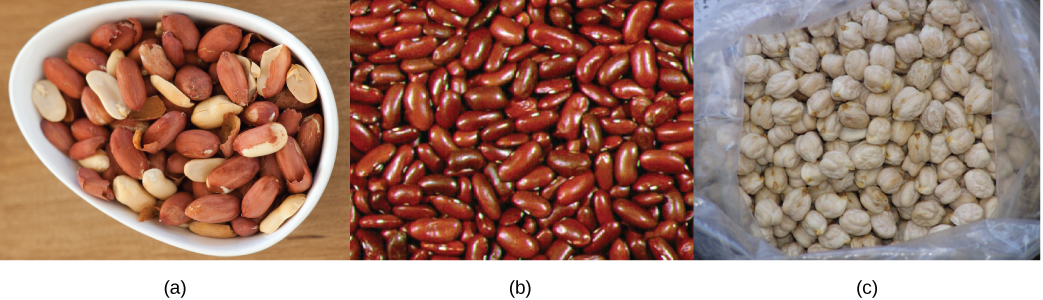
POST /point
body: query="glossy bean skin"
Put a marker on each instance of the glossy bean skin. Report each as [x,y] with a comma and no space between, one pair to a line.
[509,129]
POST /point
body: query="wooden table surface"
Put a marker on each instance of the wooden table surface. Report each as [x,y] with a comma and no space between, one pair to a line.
[42,219]
[333,275]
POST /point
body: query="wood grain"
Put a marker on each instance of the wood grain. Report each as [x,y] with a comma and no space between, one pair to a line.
[42,219]
[333,276]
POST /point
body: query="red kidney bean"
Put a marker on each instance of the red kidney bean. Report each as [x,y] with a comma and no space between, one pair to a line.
[644,67]
[532,204]
[596,107]
[633,214]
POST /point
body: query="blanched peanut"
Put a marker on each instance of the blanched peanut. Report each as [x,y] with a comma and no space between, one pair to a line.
[157,184]
[130,192]
[288,208]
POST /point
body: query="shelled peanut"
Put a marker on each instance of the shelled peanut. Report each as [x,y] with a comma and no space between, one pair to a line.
[207,128]
[847,280]
[152,280]
[871,128]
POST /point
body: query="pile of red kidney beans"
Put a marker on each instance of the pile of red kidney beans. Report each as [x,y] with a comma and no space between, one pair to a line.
[521,129]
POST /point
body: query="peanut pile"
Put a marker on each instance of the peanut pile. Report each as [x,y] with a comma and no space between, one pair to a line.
[910,280]
[203,280]
[184,125]
[868,129]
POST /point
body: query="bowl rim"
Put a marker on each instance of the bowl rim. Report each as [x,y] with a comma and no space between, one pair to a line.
[273,32]
[298,268]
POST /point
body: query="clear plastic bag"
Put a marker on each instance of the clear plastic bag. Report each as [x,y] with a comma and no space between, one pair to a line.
[1012,280]
[724,224]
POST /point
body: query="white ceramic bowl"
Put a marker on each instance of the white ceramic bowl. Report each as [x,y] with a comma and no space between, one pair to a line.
[55,39]
[29,283]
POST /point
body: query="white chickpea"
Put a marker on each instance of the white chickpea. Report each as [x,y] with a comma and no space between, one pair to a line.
[930,21]
[968,24]
[939,148]
[804,56]
[989,206]
[984,66]
[810,173]
[964,58]
[807,123]
[890,180]
[775,179]
[846,183]
[917,7]
[977,157]
[834,237]
[768,157]
[978,99]
[908,49]
[855,222]
[919,147]
[899,29]
[884,224]
[781,85]
[874,200]
[829,128]
[901,131]
[927,180]
[773,45]
[850,35]
[792,249]
[816,247]
[951,167]
[786,156]
[855,63]
[920,75]
[767,213]
[912,168]
[754,146]
[866,178]
[809,146]
[803,238]
[878,105]
[944,11]
[988,137]
[751,183]
[954,114]
[865,241]
[786,111]
[760,113]
[955,76]
[948,191]
[908,105]
[753,45]
[933,117]
[858,12]
[820,104]
[787,65]
[906,196]
[773,67]
[765,194]
[820,190]
[928,213]
[909,231]
[938,228]
[979,183]
[893,153]
[978,125]
[965,198]
[939,91]
[814,223]
[779,135]
[879,131]
[756,69]
[835,164]
[824,45]
[746,165]
[796,36]
[833,65]
[751,92]
[877,79]
[967,213]
[874,26]
[811,83]
[794,177]
[932,41]
[830,205]
[895,10]
[960,140]
[853,115]
[796,204]
[865,156]
[837,145]
[823,29]
[978,42]
[882,55]
[846,88]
